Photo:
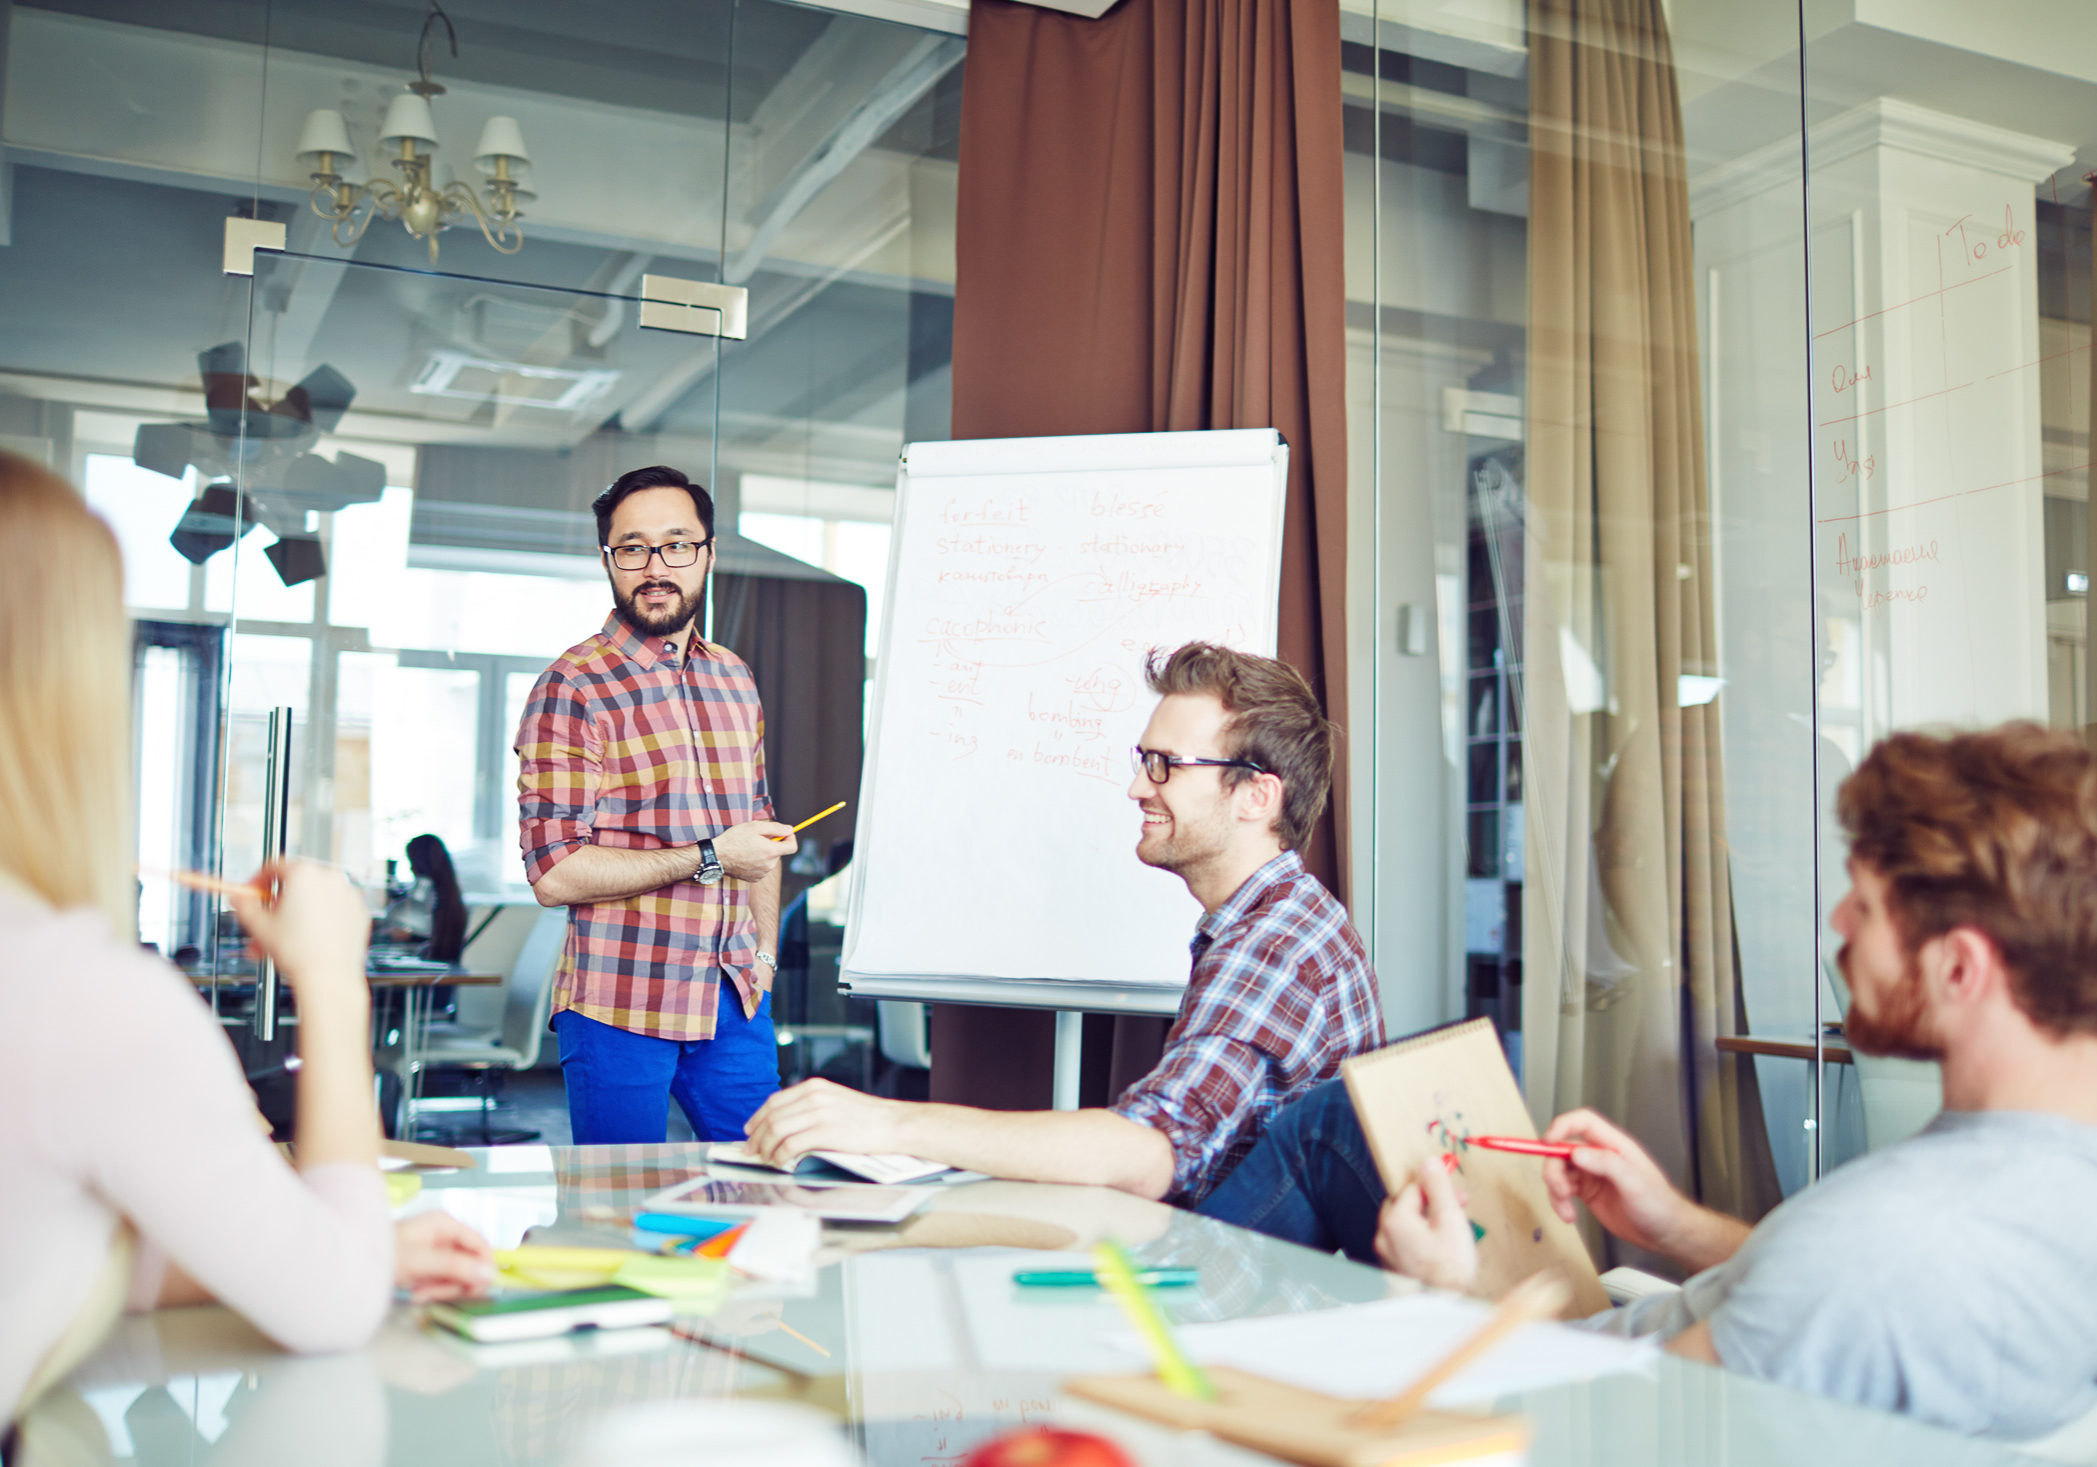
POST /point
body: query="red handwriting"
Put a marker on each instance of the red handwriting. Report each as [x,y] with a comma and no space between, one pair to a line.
[1886,597]
[1013,576]
[986,629]
[1928,295]
[1852,467]
[1114,505]
[1101,586]
[1092,766]
[1127,545]
[984,511]
[1067,717]
[1844,381]
[1975,242]
[1919,553]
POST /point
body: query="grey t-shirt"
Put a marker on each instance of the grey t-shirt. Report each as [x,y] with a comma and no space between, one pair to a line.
[1952,1278]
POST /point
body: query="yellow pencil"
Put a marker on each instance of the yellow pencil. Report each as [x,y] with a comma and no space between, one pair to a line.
[815,817]
[1181,1376]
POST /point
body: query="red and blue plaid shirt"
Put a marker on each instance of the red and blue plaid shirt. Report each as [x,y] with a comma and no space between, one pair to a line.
[1282,992]
[625,743]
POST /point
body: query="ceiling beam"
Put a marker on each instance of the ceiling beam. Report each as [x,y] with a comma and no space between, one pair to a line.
[835,122]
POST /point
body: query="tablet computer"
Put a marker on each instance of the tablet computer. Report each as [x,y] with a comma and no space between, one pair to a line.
[736,1198]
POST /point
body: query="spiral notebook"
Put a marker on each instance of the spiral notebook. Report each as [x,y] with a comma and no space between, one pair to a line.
[1426,1096]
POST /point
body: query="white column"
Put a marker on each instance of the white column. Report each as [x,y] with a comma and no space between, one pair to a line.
[1925,412]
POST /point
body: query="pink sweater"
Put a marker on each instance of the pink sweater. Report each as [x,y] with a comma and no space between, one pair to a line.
[121,1098]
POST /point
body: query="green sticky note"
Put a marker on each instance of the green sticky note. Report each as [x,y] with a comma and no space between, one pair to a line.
[694,1285]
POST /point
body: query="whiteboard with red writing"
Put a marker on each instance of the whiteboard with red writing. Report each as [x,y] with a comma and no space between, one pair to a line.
[1028,578]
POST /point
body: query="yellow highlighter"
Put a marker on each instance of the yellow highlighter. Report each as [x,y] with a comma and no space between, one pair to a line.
[820,814]
[1181,1376]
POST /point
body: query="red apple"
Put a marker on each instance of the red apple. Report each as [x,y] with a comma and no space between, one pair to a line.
[1045,1446]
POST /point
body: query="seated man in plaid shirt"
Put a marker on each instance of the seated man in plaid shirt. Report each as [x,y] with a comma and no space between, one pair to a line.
[1230,778]
[643,810]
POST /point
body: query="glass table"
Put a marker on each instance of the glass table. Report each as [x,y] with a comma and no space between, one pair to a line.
[914,1337]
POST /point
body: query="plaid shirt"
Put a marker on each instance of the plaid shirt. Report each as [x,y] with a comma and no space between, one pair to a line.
[624,744]
[1281,993]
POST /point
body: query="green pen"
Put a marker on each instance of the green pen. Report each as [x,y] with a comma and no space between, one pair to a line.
[1085,1278]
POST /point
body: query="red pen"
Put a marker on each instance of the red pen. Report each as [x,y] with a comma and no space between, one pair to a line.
[1523,1146]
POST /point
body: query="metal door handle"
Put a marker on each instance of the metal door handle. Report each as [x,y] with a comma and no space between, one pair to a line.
[276,834]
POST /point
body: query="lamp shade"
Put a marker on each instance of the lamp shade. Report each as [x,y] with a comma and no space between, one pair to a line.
[501,138]
[324,132]
[408,116]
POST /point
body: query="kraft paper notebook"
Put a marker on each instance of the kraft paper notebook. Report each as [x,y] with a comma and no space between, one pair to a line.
[1428,1095]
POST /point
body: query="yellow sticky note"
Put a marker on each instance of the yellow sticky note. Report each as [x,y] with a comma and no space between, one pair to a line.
[694,1285]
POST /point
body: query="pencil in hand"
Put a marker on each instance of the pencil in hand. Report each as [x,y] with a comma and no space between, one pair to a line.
[200,881]
[820,814]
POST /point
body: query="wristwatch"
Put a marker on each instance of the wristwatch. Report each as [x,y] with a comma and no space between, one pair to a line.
[710,870]
[768,960]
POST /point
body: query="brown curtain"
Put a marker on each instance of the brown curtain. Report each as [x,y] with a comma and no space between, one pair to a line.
[805,641]
[1148,239]
[2089,682]
[1630,973]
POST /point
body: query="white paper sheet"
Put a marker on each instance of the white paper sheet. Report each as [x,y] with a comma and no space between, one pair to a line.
[1375,1350]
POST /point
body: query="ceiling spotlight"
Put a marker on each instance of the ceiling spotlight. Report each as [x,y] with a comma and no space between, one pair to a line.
[298,559]
[256,455]
[212,522]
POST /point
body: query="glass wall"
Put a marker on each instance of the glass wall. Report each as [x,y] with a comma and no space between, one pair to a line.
[1719,403]
[355,481]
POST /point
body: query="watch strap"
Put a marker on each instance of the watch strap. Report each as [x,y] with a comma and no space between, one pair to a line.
[709,863]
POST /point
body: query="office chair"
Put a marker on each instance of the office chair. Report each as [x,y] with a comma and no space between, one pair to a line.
[527,1002]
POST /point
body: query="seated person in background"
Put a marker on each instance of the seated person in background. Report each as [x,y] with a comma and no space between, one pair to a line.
[432,913]
[1950,1277]
[1231,777]
[133,1168]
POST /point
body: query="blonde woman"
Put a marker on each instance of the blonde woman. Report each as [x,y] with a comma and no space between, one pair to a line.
[132,1168]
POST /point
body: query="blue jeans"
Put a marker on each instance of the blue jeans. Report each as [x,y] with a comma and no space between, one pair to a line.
[1310,1180]
[620,1083]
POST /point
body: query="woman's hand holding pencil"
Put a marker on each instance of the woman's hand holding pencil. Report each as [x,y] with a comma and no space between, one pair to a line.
[316,927]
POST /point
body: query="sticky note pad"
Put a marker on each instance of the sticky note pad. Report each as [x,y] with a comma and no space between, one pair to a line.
[694,1285]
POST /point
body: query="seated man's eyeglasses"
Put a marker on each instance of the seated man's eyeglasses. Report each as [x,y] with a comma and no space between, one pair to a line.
[678,553]
[1156,765]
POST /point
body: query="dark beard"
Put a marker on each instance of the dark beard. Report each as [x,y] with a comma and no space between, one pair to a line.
[1896,1031]
[662,623]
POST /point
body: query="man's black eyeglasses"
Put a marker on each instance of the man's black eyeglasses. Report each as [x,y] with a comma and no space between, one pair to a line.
[678,553]
[1156,765]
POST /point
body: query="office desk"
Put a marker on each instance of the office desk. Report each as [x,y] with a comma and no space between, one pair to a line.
[1834,1049]
[414,987]
[924,1351]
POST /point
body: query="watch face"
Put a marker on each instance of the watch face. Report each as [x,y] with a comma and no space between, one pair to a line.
[711,876]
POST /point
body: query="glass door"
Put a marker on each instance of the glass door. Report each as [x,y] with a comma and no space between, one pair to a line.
[404,461]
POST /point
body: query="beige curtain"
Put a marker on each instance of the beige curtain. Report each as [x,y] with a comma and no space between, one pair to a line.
[1628,961]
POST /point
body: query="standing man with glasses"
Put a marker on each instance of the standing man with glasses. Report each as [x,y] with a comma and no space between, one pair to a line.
[643,810]
[1230,777]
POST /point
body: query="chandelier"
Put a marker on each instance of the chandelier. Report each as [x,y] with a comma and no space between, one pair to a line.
[409,133]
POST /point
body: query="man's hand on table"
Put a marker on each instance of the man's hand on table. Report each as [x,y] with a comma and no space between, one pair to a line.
[817,1115]
[435,1256]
